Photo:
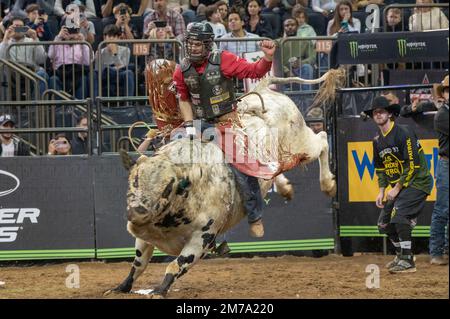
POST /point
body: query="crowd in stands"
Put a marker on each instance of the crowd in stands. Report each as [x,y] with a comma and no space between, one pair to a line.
[92,21]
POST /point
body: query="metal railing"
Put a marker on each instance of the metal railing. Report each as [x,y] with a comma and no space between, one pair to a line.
[129,80]
[75,75]
[38,134]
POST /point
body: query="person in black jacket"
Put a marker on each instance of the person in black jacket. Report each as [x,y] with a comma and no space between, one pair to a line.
[9,145]
[80,142]
[254,22]
[439,219]
[400,163]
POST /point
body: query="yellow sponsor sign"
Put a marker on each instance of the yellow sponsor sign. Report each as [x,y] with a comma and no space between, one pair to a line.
[362,180]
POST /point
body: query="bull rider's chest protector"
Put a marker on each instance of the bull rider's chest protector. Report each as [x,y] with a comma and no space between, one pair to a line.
[212,94]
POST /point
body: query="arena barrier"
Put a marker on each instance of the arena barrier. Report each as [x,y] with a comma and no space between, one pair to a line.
[357,182]
[81,211]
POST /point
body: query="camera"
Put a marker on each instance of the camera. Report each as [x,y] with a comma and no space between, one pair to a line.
[160,24]
[123,11]
[41,12]
[23,29]
[73,30]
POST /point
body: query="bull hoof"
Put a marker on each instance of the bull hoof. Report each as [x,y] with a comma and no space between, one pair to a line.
[117,290]
[329,187]
[287,192]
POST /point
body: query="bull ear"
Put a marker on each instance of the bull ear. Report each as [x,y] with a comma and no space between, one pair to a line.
[127,161]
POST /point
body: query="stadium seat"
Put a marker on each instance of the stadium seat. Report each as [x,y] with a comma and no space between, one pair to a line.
[274,22]
[361,16]
[318,22]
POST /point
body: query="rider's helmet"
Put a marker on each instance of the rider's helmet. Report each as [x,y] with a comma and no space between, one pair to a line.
[198,31]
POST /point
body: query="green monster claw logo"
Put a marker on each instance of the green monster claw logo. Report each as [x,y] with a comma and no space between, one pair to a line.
[353,49]
[401,43]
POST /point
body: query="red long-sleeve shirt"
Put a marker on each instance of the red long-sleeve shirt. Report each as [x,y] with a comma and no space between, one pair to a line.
[231,66]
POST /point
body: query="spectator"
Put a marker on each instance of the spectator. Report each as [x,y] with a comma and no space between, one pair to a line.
[9,145]
[362,4]
[80,142]
[298,56]
[122,14]
[137,7]
[222,6]
[114,68]
[60,145]
[394,21]
[343,21]
[18,9]
[236,27]
[214,19]
[71,62]
[316,125]
[87,27]
[32,57]
[37,20]
[61,5]
[254,23]
[162,13]
[162,50]
[439,218]
[277,8]
[326,7]
[304,29]
[427,18]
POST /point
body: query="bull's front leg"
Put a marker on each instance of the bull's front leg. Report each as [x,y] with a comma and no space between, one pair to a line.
[144,252]
[327,181]
[196,248]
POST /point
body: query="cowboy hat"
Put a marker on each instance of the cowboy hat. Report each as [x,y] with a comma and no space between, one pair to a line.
[440,88]
[382,102]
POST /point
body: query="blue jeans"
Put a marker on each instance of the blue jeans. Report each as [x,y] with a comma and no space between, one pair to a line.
[124,79]
[439,218]
[81,86]
[42,84]
[306,71]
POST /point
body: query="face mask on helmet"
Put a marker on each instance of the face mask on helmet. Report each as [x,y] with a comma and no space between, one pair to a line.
[198,42]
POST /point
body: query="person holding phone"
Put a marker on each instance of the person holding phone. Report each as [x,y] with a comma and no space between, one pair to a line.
[163,13]
[122,13]
[37,20]
[343,21]
[162,50]
[32,57]
[59,145]
[90,11]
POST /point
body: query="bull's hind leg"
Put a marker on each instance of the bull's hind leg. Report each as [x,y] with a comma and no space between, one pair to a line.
[327,181]
[144,252]
[201,242]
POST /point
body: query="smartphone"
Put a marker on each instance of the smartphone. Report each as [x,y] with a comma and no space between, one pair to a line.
[160,24]
[41,12]
[123,11]
[21,29]
[344,24]
[73,30]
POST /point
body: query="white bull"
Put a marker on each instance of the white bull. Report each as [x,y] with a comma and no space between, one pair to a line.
[180,207]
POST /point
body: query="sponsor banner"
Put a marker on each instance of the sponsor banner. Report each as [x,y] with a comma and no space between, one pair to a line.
[388,47]
[46,208]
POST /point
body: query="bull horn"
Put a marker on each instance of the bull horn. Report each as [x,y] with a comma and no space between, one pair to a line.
[275,80]
[127,161]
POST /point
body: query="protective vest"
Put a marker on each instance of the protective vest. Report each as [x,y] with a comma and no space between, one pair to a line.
[212,94]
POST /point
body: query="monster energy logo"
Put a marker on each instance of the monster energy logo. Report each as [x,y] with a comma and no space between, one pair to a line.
[353,49]
[401,43]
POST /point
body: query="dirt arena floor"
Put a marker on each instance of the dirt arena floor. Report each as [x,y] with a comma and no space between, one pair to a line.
[258,277]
